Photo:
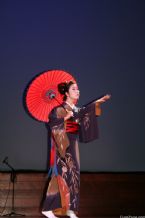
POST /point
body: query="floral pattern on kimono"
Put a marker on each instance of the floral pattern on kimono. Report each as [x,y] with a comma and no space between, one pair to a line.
[63,191]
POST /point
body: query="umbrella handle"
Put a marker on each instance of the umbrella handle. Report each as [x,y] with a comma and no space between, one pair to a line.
[60,103]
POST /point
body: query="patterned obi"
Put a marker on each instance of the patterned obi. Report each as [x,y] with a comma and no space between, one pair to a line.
[72,126]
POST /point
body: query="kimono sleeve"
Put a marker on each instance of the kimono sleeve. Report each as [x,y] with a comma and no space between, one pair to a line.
[88,130]
[57,126]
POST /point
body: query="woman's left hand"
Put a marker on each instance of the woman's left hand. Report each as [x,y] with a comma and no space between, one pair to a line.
[104,98]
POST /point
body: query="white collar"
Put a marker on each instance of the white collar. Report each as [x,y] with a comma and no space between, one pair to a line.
[70,105]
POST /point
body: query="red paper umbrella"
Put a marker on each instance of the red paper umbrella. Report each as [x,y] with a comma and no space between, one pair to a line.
[42,94]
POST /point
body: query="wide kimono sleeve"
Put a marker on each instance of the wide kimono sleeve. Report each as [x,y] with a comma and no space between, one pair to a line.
[88,130]
[58,133]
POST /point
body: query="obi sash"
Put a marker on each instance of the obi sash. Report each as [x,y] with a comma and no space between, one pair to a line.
[72,127]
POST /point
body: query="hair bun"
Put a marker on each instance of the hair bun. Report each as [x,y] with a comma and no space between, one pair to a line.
[62,88]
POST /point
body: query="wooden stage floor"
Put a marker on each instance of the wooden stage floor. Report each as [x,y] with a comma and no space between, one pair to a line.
[79,217]
[102,195]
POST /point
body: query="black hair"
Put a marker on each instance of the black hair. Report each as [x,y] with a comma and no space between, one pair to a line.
[64,87]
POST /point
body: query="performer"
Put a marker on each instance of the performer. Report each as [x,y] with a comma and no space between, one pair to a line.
[69,124]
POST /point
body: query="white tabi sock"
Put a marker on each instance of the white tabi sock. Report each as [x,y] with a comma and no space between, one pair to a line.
[49,214]
[71,214]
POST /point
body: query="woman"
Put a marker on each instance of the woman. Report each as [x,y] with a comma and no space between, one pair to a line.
[69,124]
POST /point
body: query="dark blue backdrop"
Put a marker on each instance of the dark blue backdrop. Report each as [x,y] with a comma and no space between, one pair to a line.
[101,42]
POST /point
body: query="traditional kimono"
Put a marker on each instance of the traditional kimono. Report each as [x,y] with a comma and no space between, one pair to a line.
[64,186]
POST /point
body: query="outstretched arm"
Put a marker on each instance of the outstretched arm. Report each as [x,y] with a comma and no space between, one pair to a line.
[99,102]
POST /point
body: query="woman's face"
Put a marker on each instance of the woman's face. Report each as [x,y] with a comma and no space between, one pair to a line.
[73,92]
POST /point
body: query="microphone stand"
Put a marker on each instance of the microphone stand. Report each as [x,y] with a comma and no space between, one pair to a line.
[13,179]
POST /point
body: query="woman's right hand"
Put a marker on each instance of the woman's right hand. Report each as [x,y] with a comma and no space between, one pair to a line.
[68,115]
[104,98]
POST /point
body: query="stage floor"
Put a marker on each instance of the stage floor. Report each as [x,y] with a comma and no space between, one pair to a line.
[102,195]
[68,217]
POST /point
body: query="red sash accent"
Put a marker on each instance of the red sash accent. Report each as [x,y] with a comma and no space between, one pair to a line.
[72,126]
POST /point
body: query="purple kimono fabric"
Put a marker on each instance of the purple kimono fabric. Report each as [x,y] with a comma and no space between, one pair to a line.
[64,187]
